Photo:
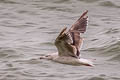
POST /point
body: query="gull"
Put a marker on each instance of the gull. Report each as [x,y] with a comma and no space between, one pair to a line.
[69,43]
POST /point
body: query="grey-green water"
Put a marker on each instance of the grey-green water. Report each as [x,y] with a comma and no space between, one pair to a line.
[28,29]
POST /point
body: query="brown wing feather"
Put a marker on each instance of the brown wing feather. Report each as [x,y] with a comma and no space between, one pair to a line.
[80,24]
[78,27]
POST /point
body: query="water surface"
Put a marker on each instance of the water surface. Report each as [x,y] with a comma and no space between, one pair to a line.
[28,29]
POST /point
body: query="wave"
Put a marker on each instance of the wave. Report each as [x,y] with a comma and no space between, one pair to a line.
[111,50]
[108,4]
[9,53]
[96,78]
[89,1]
[8,1]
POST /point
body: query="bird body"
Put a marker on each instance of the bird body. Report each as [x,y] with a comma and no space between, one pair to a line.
[69,43]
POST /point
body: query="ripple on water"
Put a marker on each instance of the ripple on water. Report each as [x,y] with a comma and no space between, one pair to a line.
[8,1]
[97,78]
[10,53]
[112,31]
[28,30]
[111,50]
[108,4]
[89,1]
[103,77]
[62,1]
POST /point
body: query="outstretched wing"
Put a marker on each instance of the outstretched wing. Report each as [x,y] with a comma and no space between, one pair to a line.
[78,27]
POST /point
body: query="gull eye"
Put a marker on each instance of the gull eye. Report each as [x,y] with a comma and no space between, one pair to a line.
[47,55]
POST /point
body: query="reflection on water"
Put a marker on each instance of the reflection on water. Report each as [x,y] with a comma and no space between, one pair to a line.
[28,29]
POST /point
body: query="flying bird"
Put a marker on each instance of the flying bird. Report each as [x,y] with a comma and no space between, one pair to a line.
[69,43]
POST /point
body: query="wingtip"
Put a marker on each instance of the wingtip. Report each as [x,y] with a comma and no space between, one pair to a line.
[84,14]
